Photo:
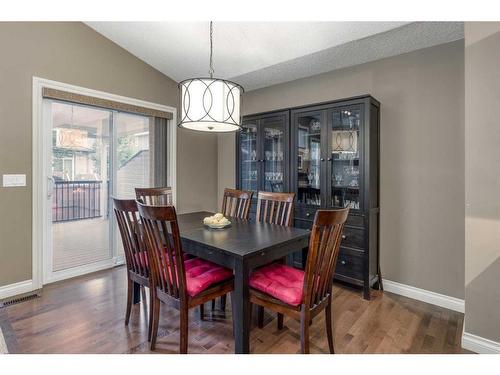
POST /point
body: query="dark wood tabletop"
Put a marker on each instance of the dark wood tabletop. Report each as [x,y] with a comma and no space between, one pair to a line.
[242,239]
[242,246]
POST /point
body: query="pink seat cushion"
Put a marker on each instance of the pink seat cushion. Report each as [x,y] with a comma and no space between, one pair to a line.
[201,274]
[282,282]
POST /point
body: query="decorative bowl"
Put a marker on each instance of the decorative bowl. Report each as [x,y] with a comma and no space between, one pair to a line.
[218,226]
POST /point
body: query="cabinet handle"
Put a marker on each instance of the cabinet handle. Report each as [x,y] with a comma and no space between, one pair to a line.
[322,159]
[308,214]
[343,262]
[344,236]
[330,159]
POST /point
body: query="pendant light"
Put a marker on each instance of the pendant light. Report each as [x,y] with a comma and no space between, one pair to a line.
[210,104]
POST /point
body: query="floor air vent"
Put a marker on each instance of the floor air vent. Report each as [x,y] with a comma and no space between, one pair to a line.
[14,301]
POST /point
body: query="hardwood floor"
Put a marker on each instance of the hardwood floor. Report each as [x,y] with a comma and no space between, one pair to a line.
[86,315]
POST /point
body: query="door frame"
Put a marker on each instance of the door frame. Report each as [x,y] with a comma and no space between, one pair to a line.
[40,151]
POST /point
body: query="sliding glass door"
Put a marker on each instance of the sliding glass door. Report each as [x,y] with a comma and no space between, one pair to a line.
[94,154]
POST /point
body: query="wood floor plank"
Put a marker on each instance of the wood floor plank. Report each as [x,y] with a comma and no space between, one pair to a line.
[86,315]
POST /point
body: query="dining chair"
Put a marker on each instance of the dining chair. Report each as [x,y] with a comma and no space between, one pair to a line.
[136,257]
[236,203]
[273,208]
[304,294]
[180,283]
[157,196]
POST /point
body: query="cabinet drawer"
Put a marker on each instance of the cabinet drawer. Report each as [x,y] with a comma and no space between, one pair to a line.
[349,265]
[302,224]
[355,220]
[305,213]
[353,237]
[308,214]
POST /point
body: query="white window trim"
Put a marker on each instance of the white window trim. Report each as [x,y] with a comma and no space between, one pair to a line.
[39,185]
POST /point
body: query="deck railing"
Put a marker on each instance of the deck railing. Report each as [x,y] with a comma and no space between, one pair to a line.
[76,200]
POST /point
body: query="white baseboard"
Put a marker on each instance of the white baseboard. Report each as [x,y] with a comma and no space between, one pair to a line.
[15,289]
[478,344]
[423,295]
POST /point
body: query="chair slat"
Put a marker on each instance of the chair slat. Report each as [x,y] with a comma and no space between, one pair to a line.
[275,208]
[236,203]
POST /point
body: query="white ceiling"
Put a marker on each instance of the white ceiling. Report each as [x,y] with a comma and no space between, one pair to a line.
[258,54]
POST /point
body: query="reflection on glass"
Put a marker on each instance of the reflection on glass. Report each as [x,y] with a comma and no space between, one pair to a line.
[133,155]
[308,160]
[274,156]
[248,157]
[80,172]
[345,158]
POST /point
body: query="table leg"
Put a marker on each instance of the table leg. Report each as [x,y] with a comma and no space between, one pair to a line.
[137,293]
[241,309]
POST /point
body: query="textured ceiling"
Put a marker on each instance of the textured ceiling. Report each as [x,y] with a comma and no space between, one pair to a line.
[259,54]
[404,39]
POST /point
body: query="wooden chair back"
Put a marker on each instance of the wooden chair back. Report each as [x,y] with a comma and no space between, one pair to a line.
[275,208]
[164,244]
[236,203]
[324,245]
[158,196]
[127,217]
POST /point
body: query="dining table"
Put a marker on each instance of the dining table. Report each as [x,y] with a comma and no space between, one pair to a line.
[242,246]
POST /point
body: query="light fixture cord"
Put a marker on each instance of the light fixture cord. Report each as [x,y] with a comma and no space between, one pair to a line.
[211,70]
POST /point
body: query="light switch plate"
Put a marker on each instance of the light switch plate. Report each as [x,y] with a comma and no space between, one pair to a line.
[14,180]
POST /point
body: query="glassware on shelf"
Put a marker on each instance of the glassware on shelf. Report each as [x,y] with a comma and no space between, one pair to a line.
[338,179]
[351,204]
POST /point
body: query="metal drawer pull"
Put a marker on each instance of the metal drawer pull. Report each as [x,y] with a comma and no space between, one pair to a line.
[308,214]
[344,236]
[343,262]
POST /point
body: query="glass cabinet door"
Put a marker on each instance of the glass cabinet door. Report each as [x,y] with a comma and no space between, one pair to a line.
[273,133]
[344,160]
[308,135]
[248,157]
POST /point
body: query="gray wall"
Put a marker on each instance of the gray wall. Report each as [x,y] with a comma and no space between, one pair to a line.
[75,54]
[422,156]
[482,179]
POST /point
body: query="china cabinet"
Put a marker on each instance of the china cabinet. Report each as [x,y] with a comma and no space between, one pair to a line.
[333,161]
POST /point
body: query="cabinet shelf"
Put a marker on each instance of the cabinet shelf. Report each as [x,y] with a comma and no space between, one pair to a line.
[344,129]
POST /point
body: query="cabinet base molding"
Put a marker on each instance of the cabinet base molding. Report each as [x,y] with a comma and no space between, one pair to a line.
[478,344]
[423,295]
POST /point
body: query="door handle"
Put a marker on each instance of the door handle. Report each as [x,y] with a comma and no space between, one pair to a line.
[50,187]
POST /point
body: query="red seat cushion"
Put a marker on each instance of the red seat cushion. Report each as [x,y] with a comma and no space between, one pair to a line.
[280,281]
[201,274]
